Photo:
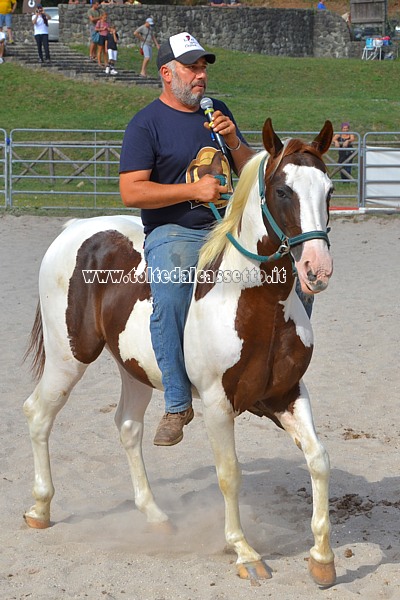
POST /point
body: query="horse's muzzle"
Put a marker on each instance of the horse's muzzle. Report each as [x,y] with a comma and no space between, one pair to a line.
[314,286]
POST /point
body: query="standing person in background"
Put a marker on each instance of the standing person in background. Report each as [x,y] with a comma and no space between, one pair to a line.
[7,7]
[2,45]
[41,31]
[344,141]
[147,38]
[93,15]
[102,27]
[112,50]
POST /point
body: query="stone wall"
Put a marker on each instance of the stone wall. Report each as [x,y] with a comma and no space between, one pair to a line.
[276,32]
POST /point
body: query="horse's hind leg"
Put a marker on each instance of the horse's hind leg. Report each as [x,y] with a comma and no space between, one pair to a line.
[299,424]
[41,408]
[135,397]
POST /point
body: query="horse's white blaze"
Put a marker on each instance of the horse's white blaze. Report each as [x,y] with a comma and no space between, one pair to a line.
[311,186]
[293,309]
[135,341]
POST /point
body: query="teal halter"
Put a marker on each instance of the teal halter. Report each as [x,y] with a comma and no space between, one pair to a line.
[286,243]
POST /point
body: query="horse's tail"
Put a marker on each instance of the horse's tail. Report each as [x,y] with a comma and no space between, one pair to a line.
[36,346]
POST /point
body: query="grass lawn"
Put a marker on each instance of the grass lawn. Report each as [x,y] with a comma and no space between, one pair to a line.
[297,93]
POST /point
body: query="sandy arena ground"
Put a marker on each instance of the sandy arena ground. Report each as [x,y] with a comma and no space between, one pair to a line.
[99,546]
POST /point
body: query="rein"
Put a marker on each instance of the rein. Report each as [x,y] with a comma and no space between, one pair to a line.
[286,243]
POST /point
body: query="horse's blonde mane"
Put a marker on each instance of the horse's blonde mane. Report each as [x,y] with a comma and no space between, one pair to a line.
[217,240]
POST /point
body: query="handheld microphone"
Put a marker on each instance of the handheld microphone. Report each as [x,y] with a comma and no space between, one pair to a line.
[207,105]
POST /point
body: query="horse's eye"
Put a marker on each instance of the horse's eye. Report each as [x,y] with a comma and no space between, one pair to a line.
[280,192]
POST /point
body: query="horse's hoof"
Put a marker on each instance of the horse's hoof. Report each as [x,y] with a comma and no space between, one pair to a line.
[36,523]
[323,574]
[254,570]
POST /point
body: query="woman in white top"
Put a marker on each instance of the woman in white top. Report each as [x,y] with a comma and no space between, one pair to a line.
[41,32]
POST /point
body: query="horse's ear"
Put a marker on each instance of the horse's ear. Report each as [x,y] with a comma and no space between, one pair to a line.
[324,139]
[271,141]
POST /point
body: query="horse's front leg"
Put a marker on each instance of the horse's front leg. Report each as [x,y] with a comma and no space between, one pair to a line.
[220,428]
[299,424]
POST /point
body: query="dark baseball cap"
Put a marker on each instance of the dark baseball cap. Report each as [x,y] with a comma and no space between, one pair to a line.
[184,48]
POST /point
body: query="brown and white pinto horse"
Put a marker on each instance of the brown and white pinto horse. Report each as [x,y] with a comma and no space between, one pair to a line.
[248,340]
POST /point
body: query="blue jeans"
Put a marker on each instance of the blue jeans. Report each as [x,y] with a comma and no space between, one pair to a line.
[168,250]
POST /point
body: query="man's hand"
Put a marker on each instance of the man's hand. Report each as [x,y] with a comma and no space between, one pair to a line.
[208,189]
[223,125]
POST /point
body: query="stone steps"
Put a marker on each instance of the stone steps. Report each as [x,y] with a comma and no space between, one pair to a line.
[72,64]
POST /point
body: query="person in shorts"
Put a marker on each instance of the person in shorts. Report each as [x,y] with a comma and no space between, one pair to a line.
[2,45]
[102,27]
[112,50]
[93,14]
[7,7]
[147,38]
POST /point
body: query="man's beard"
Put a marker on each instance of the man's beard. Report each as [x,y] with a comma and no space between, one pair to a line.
[183,92]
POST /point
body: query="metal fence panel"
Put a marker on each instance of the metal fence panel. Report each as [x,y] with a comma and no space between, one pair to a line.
[381,169]
[74,168]
[3,167]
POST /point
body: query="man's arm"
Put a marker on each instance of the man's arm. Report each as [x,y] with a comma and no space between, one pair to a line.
[138,191]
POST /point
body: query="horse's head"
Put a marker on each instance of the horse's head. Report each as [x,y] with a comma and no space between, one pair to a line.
[297,194]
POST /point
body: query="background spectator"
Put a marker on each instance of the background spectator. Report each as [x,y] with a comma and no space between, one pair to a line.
[93,15]
[147,38]
[102,27]
[112,50]
[344,141]
[7,7]
[40,21]
[2,45]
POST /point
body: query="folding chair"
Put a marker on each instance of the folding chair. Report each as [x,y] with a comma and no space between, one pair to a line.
[370,51]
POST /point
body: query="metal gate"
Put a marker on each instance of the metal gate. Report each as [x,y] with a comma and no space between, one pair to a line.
[69,168]
[381,169]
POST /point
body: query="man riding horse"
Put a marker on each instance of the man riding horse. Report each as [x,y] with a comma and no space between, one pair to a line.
[160,144]
[167,170]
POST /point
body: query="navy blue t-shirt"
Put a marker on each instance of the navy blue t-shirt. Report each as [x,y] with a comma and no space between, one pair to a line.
[174,145]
